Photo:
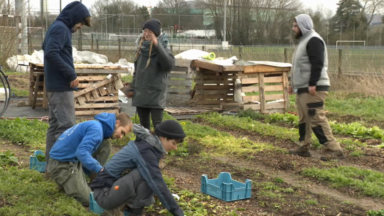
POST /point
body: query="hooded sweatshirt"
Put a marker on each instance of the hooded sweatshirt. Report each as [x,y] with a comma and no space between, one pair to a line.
[310,63]
[144,154]
[150,83]
[59,70]
[78,143]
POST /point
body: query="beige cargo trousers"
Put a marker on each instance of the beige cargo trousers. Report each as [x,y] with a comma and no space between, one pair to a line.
[312,118]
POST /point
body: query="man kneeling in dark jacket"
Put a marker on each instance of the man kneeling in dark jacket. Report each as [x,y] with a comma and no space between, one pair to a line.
[112,189]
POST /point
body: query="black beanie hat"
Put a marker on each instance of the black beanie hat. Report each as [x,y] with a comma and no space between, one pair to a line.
[153,25]
[170,129]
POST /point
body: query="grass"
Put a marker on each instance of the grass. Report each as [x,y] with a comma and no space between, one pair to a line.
[222,143]
[369,108]
[248,124]
[368,182]
[26,192]
[24,132]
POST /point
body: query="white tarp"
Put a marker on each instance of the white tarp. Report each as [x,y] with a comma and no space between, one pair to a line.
[19,63]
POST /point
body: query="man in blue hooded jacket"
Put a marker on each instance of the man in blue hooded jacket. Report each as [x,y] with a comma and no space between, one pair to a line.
[84,148]
[59,70]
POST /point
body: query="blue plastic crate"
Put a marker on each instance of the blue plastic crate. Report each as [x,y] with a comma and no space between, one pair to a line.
[35,164]
[95,208]
[225,188]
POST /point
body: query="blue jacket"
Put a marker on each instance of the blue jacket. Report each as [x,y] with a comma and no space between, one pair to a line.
[144,154]
[59,70]
[79,142]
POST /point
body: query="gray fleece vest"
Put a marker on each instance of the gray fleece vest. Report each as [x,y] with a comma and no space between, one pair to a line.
[301,69]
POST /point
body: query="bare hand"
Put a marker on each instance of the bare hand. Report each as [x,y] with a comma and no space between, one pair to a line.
[75,83]
[312,90]
[154,39]
[290,90]
[130,94]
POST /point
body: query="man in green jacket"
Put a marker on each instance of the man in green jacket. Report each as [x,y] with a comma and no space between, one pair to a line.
[153,62]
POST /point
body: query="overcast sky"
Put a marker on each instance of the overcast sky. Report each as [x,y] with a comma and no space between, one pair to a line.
[54,4]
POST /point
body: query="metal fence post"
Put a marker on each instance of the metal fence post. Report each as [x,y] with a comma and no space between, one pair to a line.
[339,63]
[241,52]
[285,54]
[97,45]
[119,48]
[92,42]
[203,48]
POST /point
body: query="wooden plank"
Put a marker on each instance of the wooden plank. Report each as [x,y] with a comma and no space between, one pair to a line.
[216,96]
[213,82]
[264,68]
[208,92]
[247,99]
[285,92]
[179,82]
[102,91]
[262,93]
[252,106]
[179,75]
[273,79]
[178,91]
[274,88]
[81,100]
[91,78]
[224,76]
[97,105]
[95,86]
[250,89]
[214,102]
[95,94]
[208,65]
[249,81]
[110,88]
[274,97]
[106,98]
[233,68]
[179,69]
[95,112]
[182,62]
[88,96]
[279,105]
[118,84]
[212,87]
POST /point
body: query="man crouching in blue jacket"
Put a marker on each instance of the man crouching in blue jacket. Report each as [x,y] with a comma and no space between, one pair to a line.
[84,148]
[133,191]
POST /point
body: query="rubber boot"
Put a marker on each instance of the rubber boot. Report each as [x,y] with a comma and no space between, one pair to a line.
[302,151]
[332,151]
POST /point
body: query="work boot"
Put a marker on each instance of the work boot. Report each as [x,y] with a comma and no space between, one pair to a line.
[302,151]
[332,151]
[114,212]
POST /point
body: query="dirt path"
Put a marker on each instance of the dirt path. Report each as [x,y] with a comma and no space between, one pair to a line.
[287,196]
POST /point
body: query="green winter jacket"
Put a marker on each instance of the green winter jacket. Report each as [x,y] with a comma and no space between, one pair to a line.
[150,84]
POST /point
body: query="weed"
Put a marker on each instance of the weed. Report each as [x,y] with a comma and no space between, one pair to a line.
[8,158]
[367,181]
[356,153]
[311,202]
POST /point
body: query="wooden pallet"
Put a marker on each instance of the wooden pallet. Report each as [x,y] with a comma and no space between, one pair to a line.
[185,110]
[179,84]
[97,94]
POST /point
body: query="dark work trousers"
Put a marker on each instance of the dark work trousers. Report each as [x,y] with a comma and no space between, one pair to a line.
[61,107]
[132,190]
[144,113]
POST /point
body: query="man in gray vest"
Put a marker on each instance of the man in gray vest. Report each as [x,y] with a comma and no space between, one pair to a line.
[310,82]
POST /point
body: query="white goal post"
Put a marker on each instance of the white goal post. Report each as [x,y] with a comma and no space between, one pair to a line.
[350,41]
